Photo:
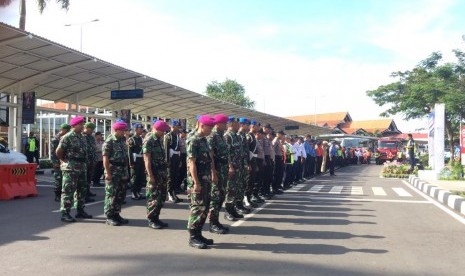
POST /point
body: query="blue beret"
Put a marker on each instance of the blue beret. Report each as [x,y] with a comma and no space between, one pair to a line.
[197,117]
[253,122]
[175,123]
[232,119]
[243,121]
[154,120]
[138,125]
[120,120]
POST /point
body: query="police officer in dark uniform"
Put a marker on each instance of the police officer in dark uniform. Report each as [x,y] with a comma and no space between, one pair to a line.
[253,154]
[173,158]
[136,162]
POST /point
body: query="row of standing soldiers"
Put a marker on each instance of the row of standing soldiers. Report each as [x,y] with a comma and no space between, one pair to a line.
[229,160]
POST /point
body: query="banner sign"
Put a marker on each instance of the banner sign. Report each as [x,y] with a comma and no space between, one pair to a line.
[29,107]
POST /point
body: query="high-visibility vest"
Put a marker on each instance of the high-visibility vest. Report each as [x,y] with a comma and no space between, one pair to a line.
[32,144]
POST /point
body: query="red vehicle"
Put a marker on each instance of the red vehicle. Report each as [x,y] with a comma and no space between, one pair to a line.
[387,149]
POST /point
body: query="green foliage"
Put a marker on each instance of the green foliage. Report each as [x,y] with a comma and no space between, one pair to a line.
[396,170]
[415,92]
[424,160]
[229,91]
[43,3]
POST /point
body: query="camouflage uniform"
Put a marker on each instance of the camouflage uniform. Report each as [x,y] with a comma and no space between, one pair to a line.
[92,159]
[197,147]
[74,169]
[251,177]
[235,160]
[156,194]
[115,190]
[243,172]
[137,161]
[217,143]
[57,175]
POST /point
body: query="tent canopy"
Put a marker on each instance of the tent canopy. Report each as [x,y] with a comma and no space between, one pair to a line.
[60,74]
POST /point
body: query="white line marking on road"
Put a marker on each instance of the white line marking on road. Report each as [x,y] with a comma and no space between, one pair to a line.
[315,189]
[401,192]
[239,222]
[336,190]
[437,204]
[314,198]
[337,180]
[378,191]
[356,190]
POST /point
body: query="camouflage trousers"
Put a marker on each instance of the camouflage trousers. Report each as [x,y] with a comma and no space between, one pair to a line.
[200,203]
[74,190]
[58,177]
[242,183]
[232,187]
[115,190]
[156,194]
[217,193]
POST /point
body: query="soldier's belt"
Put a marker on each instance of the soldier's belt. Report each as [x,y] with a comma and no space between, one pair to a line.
[120,164]
[136,155]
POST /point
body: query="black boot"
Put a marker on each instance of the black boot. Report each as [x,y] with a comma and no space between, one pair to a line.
[66,217]
[250,202]
[217,228]
[112,221]
[173,198]
[156,223]
[83,214]
[228,212]
[57,196]
[119,218]
[135,196]
[205,240]
[141,196]
[195,241]
[241,209]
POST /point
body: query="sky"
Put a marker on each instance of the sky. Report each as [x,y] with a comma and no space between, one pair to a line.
[293,57]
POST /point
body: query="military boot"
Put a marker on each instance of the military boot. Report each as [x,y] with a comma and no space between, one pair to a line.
[250,202]
[119,218]
[228,212]
[195,241]
[83,214]
[66,217]
[57,196]
[173,198]
[240,209]
[216,227]
[112,221]
[205,240]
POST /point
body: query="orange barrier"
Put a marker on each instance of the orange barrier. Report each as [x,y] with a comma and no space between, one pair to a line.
[18,181]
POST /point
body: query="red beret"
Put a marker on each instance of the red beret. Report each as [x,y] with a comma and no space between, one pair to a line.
[207,120]
[120,126]
[221,119]
[161,125]
[76,121]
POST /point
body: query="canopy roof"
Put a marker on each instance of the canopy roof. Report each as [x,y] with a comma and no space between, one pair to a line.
[60,74]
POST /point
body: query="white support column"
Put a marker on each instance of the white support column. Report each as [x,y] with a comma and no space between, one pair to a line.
[11,123]
[40,134]
[50,133]
[19,121]
[439,120]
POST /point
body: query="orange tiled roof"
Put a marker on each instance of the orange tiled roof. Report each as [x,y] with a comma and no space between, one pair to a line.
[332,119]
[369,125]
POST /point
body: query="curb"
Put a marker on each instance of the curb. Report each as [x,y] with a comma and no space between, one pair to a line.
[445,197]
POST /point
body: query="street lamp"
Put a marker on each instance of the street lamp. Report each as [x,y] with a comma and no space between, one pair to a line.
[80,25]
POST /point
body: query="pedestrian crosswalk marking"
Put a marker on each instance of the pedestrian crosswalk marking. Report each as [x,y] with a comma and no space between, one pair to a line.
[336,190]
[316,189]
[378,191]
[401,192]
[356,190]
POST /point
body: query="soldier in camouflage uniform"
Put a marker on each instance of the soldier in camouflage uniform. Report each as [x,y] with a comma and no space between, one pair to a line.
[253,161]
[156,167]
[234,145]
[220,156]
[244,168]
[91,157]
[136,162]
[200,175]
[57,175]
[115,162]
[72,152]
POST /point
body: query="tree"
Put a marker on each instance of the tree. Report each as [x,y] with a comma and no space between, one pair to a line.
[415,92]
[41,3]
[229,91]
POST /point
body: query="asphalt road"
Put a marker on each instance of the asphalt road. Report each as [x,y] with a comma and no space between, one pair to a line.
[352,224]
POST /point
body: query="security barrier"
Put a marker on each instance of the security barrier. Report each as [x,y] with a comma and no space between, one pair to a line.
[17,181]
